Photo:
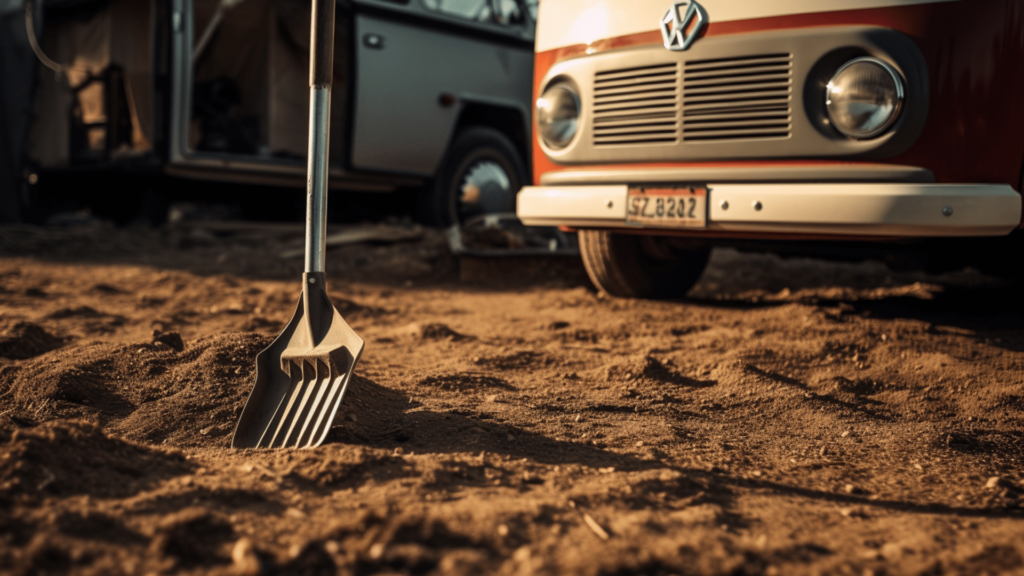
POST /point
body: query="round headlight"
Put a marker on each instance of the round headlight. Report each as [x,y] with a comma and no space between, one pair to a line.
[558,115]
[864,97]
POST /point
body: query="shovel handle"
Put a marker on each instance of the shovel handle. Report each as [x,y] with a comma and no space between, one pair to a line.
[321,62]
[321,65]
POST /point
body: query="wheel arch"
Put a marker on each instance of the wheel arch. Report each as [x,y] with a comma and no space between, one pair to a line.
[508,117]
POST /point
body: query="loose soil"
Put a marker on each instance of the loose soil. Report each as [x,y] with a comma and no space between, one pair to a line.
[788,417]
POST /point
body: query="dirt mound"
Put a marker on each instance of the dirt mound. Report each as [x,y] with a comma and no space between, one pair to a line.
[648,369]
[76,382]
[351,309]
[144,391]
[76,312]
[465,382]
[170,339]
[26,340]
[73,457]
[204,391]
[523,359]
[436,331]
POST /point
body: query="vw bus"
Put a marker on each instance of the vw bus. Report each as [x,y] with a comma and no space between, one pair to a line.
[889,129]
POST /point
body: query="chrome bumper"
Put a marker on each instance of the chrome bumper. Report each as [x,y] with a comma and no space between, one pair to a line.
[904,209]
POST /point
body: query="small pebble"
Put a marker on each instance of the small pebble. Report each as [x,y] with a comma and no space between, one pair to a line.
[845,433]
[399,451]
[243,555]
[993,483]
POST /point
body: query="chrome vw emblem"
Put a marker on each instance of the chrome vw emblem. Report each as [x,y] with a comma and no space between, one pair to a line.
[674,27]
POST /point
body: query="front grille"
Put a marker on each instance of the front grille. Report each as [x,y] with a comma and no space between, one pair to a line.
[737,98]
[636,106]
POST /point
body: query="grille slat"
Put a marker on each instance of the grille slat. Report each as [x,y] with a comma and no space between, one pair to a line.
[636,106]
[737,63]
[740,133]
[637,88]
[734,108]
[636,139]
[782,87]
[629,119]
[756,114]
[635,72]
[661,105]
[744,72]
[732,80]
[733,97]
[737,98]
[637,129]
[754,122]
[639,97]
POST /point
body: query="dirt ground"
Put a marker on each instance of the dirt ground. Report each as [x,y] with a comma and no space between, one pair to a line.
[789,417]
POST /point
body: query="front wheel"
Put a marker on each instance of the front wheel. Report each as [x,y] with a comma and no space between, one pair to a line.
[481,174]
[639,266]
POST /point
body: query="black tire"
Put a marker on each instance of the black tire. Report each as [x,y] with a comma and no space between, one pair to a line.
[441,204]
[638,266]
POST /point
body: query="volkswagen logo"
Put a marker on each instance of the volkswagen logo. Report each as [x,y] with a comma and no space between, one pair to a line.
[681,25]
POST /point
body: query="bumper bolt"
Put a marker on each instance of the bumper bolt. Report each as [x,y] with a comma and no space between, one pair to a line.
[724,204]
[947,210]
[757,205]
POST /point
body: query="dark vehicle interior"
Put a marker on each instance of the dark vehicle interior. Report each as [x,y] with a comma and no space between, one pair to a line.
[250,61]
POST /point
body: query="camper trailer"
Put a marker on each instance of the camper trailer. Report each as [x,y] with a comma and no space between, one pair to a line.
[840,128]
[433,95]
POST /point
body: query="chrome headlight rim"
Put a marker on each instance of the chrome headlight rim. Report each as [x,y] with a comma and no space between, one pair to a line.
[901,91]
[570,87]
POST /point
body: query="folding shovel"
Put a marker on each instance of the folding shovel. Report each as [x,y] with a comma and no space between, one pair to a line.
[302,376]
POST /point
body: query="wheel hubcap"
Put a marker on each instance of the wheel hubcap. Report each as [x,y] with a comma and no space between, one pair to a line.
[484,188]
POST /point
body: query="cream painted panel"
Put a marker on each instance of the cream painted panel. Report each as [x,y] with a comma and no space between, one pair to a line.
[590,203]
[907,204]
[567,22]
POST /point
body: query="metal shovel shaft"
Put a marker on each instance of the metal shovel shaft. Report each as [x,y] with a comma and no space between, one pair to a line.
[321,64]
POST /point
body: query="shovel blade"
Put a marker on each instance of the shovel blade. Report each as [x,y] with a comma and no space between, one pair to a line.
[301,379]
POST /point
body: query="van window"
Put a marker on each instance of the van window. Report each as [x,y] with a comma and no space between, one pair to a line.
[503,12]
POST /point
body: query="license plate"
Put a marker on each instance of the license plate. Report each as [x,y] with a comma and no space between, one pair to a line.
[682,207]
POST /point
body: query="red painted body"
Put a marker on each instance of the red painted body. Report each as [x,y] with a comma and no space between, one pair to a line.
[975,56]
